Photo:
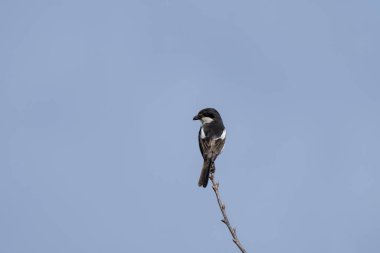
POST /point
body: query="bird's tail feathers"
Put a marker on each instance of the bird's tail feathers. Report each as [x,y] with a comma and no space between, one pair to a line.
[203,179]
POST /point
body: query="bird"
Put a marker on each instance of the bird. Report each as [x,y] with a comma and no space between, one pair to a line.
[211,138]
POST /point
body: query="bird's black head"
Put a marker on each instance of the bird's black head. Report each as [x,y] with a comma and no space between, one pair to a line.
[207,115]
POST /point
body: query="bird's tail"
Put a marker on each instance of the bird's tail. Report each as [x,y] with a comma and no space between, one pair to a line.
[203,179]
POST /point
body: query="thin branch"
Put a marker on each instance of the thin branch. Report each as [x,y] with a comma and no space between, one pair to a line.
[222,206]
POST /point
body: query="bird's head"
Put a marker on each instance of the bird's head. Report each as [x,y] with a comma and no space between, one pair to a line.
[207,115]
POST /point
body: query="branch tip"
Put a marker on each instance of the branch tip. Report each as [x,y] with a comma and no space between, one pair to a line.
[222,206]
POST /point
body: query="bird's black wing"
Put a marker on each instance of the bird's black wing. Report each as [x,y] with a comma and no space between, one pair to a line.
[204,145]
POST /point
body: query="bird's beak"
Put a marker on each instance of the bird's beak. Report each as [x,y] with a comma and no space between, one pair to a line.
[196,117]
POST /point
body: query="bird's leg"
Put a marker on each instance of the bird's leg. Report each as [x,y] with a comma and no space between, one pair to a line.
[212,170]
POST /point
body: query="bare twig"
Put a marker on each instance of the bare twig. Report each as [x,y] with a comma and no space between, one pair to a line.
[222,206]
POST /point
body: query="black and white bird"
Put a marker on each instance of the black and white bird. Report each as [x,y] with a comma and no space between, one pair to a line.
[211,137]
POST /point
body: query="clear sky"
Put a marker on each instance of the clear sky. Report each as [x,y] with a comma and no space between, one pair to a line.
[99,153]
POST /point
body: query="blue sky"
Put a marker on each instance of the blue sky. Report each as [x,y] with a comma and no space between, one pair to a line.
[99,152]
